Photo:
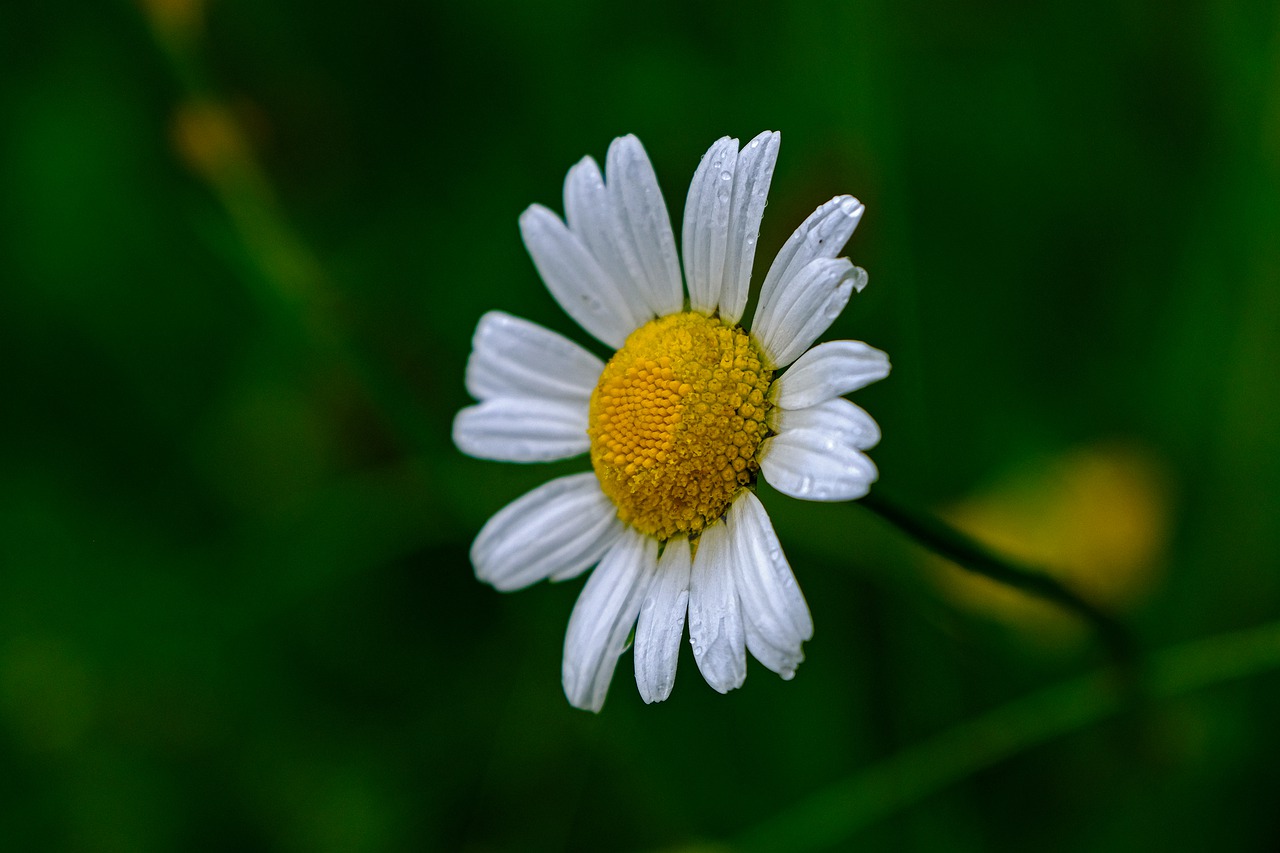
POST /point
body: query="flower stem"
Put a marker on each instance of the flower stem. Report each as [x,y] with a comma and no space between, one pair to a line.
[969,554]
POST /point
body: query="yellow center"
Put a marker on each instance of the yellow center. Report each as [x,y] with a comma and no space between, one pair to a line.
[676,420]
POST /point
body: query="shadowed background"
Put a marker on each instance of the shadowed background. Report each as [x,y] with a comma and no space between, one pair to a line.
[243,248]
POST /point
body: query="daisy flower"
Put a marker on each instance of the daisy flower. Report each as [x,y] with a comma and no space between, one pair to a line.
[680,421]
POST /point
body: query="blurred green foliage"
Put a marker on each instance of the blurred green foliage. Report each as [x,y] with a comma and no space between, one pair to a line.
[243,249]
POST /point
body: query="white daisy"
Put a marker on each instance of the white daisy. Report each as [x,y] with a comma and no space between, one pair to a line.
[690,408]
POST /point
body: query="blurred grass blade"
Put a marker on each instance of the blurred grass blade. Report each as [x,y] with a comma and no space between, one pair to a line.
[832,815]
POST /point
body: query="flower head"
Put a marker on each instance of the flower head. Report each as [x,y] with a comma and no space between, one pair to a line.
[679,423]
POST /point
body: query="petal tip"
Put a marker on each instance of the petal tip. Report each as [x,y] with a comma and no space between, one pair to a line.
[766,137]
[533,210]
[851,207]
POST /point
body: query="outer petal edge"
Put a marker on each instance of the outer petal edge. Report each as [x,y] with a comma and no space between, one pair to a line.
[715,616]
[814,465]
[513,357]
[559,529]
[603,616]
[510,429]
[661,622]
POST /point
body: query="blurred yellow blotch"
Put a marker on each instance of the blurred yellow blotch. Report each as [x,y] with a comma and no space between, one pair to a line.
[216,141]
[209,138]
[1095,518]
[174,20]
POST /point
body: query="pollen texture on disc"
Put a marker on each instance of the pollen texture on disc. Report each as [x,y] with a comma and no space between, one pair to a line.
[676,420]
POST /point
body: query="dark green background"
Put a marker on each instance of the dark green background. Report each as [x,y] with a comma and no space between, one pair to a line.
[236,609]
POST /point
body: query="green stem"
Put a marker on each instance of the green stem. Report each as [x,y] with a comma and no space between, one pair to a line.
[968,553]
[833,814]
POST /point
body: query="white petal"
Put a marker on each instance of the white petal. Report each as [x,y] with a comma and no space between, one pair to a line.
[805,306]
[750,192]
[603,617]
[715,618]
[829,370]
[706,224]
[511,357]
[773,608]
[557,530]
[783,657]
[822,235]
[576,280]
[838,417]
[815,465]
[661,623]
[637,200]
[589,211]
[595,214]
[511,429]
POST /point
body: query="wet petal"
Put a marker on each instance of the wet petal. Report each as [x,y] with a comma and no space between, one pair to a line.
[815,465]
[805,306]
[706,224]
[557,530]
[646,225]
[750,192]
[774,612]
[823,235]
[511,357]
[577,281]
[511,429]
[591,215]
[848,422]
[603,617]
[829,370]
[661,623]
[715,617]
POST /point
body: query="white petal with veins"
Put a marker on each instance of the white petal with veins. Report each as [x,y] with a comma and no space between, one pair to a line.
[815,465]
[512,357]
[558,530]
[661,623]
[603,616]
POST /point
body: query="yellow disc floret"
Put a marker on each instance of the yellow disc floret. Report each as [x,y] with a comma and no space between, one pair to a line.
[676,420]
